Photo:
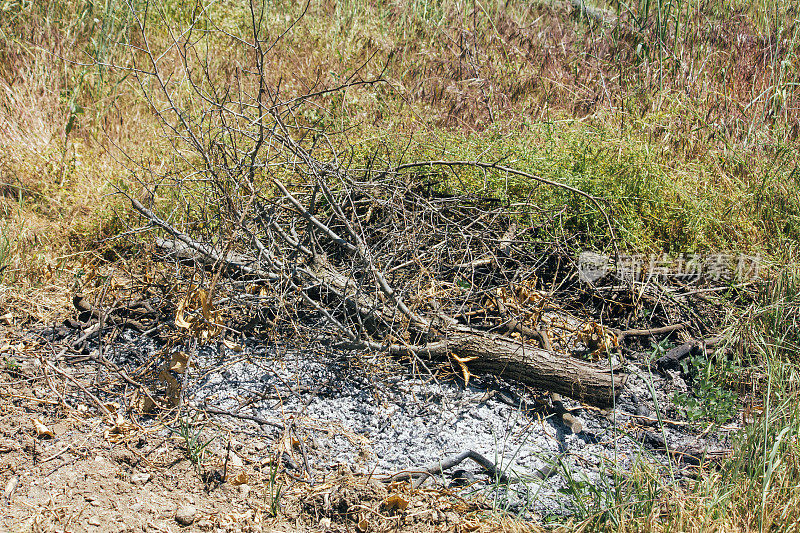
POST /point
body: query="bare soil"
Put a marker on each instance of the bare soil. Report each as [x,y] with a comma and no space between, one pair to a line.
[74,470]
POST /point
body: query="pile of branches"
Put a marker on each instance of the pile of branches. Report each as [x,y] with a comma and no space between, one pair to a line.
[391,261]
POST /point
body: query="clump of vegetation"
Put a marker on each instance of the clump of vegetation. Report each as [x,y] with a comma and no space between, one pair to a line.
[196,444]
[708,400]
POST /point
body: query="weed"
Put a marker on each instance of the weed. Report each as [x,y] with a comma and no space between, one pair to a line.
[194,441]
[274,488]
[614,495]
[708,400]
[12,366]
[5,250]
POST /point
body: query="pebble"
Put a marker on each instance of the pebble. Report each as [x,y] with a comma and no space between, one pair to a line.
[185,514]
[95,521]
[140,478]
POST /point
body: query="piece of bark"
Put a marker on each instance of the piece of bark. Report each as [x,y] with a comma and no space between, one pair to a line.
[482,352]
[512,324]
[85,307]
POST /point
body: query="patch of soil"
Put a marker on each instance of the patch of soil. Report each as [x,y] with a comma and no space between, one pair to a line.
[65,467]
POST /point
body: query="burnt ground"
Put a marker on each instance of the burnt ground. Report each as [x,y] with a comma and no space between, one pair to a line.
[271,437]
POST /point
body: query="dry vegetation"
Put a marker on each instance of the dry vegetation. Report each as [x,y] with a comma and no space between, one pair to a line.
[683,115]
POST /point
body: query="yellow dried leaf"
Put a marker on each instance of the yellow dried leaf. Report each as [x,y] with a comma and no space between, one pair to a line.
[173,387]
[41,430]
[363,525]
[395,501]
[232,345]
[119,430]
[180,321]
[179,362]
[240,479]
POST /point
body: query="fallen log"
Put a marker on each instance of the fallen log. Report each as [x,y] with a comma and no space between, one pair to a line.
[527,364]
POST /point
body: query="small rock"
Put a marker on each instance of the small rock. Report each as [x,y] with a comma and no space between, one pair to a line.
[235,460]
[244,490]
[462,478]
[140,478]
[94,521]
[185,514]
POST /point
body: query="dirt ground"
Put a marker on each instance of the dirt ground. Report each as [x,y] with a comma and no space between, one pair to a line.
[68,468]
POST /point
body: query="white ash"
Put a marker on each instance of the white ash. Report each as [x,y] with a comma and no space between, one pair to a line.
[348,411]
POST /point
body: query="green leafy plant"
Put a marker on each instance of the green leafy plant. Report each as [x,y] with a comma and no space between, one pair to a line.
[12,366]
[708,400]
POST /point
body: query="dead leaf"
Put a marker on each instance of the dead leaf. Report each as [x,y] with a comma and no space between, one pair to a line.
[11,486]
[232,345]
[471,525]
[142,403]
[395,501]
[7,319]
[120,429]
[240,479]
[289,444]
[173,387]
[201,320]
[363,525]
[41,430]
[179,362]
